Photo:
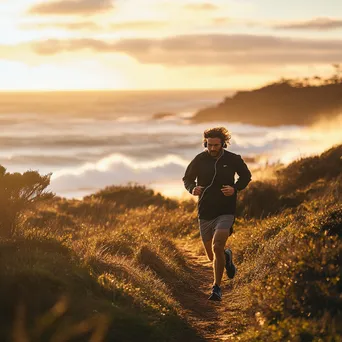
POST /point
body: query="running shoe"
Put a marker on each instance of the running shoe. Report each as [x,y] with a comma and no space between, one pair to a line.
[230,267]
[216,293]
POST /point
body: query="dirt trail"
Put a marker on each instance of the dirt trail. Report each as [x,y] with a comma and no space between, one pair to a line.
[214,321]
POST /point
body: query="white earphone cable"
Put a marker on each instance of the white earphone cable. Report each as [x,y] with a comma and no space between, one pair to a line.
[212,181]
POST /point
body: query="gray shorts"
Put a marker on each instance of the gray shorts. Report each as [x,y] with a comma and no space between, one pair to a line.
[222,222]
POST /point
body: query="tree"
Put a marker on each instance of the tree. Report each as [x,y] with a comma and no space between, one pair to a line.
[306,81]
[318,80]
[337,77]
[19,192]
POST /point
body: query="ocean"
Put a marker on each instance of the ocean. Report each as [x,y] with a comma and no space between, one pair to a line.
[92,140]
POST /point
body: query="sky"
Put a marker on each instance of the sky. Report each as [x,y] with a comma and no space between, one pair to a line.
[159,44]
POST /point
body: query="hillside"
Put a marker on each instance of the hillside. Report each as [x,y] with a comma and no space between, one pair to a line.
[277,104]
[126,264]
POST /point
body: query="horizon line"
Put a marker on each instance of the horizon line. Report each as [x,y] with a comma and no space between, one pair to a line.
[112,90]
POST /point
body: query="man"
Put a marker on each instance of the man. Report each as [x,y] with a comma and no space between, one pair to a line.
[210,176]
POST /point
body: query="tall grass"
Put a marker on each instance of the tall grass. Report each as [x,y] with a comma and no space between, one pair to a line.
[121,265]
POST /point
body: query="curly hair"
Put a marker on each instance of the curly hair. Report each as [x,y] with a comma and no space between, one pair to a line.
[217,132]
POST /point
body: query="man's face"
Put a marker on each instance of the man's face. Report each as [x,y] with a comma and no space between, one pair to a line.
[214,146]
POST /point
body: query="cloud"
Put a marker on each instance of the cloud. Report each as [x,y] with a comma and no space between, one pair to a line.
[55,46]
[210,49]
[92,26]
[206,6]
[85,25]
[138,25]
[72,7]
[221,20]
[314,24]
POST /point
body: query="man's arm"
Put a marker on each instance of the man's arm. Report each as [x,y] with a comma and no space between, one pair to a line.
[245,175]
[190,176]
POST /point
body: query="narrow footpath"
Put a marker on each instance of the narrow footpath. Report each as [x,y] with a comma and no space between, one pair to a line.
[214,321]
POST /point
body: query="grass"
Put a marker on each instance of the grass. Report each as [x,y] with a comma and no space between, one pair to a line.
[122,263]
[290,265]
[108,269]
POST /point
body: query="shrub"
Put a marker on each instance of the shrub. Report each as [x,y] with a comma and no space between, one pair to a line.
[133,196]
[260,199]
[18,192]
[305,171]
[302,180]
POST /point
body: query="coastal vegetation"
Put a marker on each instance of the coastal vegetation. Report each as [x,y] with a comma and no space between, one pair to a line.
[115,265]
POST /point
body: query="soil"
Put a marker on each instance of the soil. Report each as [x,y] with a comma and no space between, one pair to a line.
[213,321]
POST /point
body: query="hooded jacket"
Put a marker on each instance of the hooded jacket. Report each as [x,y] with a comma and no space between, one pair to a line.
[212,174]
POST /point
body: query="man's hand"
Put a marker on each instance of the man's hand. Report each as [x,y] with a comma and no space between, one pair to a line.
[197,190]
[228,190]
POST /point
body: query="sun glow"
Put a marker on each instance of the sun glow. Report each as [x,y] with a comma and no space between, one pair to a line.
[78,75]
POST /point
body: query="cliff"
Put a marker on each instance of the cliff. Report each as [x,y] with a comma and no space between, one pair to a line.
[277,104]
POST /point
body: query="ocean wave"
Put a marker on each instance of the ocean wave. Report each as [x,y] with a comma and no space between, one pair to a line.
[87,152]
[113,160]
[116,169]
[46,160]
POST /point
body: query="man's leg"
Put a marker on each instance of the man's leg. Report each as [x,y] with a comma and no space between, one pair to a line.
[219,241]
[206,230]
[208,246]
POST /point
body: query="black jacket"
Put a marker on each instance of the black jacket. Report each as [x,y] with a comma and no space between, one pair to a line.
[213,202]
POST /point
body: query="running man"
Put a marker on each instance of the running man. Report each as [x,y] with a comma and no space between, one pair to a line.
[211,177]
